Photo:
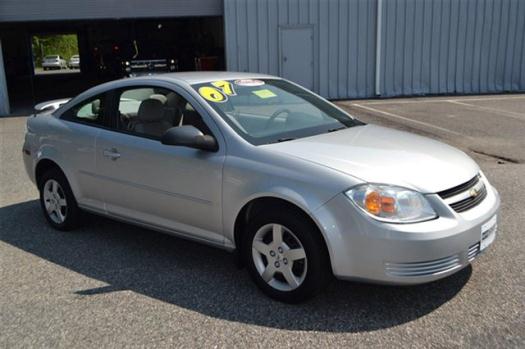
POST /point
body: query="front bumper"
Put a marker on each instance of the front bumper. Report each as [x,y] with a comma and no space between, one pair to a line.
[362,248]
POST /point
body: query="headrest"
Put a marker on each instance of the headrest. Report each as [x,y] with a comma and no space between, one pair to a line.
[160,97]
[95,107]
[173,100]
[150,110]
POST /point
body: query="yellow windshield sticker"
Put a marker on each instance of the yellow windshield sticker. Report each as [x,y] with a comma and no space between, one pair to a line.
[225,86]
[212,94]
[264,93]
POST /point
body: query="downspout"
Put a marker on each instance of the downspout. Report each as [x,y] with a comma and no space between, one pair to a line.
[4,98]
[379,28]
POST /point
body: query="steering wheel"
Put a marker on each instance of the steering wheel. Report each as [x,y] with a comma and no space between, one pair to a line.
[274,116]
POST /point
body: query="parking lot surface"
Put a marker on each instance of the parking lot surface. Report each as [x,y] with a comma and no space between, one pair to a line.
[110,284]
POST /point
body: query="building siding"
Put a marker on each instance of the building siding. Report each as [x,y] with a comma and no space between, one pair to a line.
[39,10]
[453,46]
[343,40]
[427,46]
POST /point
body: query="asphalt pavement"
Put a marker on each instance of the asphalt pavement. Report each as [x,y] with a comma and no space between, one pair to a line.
[110,284]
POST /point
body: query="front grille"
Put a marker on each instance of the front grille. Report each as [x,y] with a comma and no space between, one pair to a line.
[465,196]
[445,194]
[469,202]
[426,268]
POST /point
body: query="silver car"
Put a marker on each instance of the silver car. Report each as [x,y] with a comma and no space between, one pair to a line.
[74,62]
[296,187]
[54,62]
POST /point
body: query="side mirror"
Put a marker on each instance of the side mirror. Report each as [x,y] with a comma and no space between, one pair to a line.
[189,136]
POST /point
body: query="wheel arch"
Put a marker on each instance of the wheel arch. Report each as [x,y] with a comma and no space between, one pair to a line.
[261,203]
[44,165]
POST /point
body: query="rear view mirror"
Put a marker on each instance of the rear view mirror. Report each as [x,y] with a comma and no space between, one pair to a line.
[189,136]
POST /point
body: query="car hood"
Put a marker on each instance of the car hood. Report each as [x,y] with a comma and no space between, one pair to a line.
[377,154]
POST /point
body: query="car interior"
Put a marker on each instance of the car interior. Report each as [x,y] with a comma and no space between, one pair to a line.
[152,111]
[268,109]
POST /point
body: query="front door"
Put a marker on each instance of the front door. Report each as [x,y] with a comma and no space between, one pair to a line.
[297,49]
[168,187]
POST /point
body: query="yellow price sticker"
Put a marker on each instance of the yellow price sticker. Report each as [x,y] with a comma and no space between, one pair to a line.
[212,94]
[225,86]
[264,93]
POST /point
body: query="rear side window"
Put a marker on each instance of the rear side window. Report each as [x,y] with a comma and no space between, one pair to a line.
[90,111]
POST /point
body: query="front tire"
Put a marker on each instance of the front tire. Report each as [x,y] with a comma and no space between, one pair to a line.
[286,256]
[57,201]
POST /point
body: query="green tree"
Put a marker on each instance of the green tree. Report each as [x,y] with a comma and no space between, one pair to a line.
[65,45]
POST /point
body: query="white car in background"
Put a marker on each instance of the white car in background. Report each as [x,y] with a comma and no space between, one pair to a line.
[74,62]
[54,62]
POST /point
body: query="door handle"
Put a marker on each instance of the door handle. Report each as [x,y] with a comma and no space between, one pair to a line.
[112,154]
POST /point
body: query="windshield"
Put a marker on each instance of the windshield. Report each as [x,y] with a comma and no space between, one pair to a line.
[272,110]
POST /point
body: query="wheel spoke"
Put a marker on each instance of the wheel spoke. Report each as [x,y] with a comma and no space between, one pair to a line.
[261,247]
[290,278]
[62,202]
[295,254]
[277,234]
[60,216]
[49,207]
[268,273]
[54,187]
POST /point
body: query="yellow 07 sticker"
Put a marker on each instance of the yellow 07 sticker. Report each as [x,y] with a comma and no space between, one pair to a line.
[225,87]
[212,94]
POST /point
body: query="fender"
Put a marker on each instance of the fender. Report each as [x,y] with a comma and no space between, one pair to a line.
[282,193]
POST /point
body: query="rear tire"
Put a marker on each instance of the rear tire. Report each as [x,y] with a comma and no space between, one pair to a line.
[286,256]
[57,201]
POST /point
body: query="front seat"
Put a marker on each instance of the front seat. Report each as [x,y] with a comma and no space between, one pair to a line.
[150,118]
[173,108]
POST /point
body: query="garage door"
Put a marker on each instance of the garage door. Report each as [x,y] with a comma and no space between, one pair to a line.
[38,10]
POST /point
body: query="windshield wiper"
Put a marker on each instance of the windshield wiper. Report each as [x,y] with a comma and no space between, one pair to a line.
[284,139]
[337,129]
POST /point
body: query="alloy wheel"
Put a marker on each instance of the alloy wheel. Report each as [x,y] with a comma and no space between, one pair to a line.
[55,201]
[279,257]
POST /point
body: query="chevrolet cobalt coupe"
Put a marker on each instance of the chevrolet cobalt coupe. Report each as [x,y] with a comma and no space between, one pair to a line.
[255,164]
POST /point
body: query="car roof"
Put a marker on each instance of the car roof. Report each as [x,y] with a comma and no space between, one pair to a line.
[194,77]
[197,77]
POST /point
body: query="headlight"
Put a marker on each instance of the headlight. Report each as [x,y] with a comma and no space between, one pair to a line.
[391,204]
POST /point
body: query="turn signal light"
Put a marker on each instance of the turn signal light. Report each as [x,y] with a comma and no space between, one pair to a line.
[375,203]
[391,204]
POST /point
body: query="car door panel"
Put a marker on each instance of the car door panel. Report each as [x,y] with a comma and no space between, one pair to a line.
[170,187]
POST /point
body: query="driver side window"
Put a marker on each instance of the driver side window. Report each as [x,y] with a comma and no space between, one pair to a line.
[151,111]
